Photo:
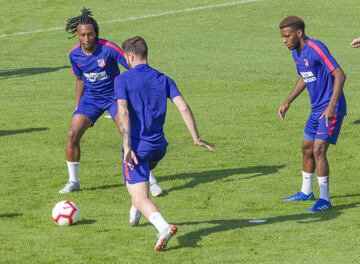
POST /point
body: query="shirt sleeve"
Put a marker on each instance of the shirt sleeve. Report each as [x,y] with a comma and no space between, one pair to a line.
[172,90]
[120,88]
[324,56]
[75,68]
[118,53]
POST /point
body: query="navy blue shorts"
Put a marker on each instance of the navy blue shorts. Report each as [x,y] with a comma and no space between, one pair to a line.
[147,161]
[316,128]
[93,108]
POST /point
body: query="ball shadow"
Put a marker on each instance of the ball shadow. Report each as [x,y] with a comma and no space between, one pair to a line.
[86,222]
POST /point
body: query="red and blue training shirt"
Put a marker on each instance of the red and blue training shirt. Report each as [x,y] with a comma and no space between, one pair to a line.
[99,69]
[315,64]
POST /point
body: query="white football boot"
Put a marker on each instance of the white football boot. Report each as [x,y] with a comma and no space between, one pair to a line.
[156,190]
[70,187]
[164,237]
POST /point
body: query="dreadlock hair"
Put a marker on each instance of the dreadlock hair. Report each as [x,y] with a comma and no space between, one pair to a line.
[86,17]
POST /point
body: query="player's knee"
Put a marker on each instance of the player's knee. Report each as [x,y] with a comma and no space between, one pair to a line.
[307,151]
[73,136]
[319,151]
[137,201]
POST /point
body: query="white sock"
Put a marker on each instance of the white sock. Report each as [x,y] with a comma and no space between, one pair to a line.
[152,178]
[324,187]
[134,213]
[73,171]
[307,182]
[158,221]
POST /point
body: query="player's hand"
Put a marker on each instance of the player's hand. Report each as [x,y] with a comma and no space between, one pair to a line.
[205,144]
[328,114]
[355,43]
[130,158]
[283,109]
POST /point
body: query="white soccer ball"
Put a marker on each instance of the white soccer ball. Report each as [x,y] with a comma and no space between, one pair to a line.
[65,213]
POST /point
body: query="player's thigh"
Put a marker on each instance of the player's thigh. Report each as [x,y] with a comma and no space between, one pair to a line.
[90,107]
[112,109]
[320,147]
[138,190]
[311,126]
[140,172]
[331,131]
[307,146]
[78,125]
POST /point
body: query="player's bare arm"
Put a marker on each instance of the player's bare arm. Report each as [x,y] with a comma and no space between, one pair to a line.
[298,88]
[79,90]
[123,124]
[339,80]
[189,120]
[355,43]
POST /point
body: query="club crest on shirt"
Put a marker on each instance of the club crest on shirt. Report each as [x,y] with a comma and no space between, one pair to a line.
[306,62]
[101,63]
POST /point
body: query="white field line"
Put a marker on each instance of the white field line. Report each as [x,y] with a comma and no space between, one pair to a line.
[175,12]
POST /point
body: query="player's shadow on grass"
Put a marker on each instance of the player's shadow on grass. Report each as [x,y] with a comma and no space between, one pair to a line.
[345,195]
[222,175]
[206,176]
[191,239]
[10,215]
[104,187]
[12,73]
[20,131]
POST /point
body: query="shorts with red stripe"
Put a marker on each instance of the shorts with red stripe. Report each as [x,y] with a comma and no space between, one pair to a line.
[147,160]
[316,128]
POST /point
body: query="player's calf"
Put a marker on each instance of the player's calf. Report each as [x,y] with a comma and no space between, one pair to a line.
[135,216]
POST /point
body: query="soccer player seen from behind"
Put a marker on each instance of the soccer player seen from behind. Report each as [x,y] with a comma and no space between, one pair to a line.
[95,65]
[324,79]
[141,94]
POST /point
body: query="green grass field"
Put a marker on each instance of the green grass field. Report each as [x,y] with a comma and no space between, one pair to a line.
[234,71]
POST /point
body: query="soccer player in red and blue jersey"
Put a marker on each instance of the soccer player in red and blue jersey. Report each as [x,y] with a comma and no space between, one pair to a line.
[324,79]
[95,65]
[141,94]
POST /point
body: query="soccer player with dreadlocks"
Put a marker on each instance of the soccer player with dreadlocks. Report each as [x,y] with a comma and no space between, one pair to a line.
[95,65]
